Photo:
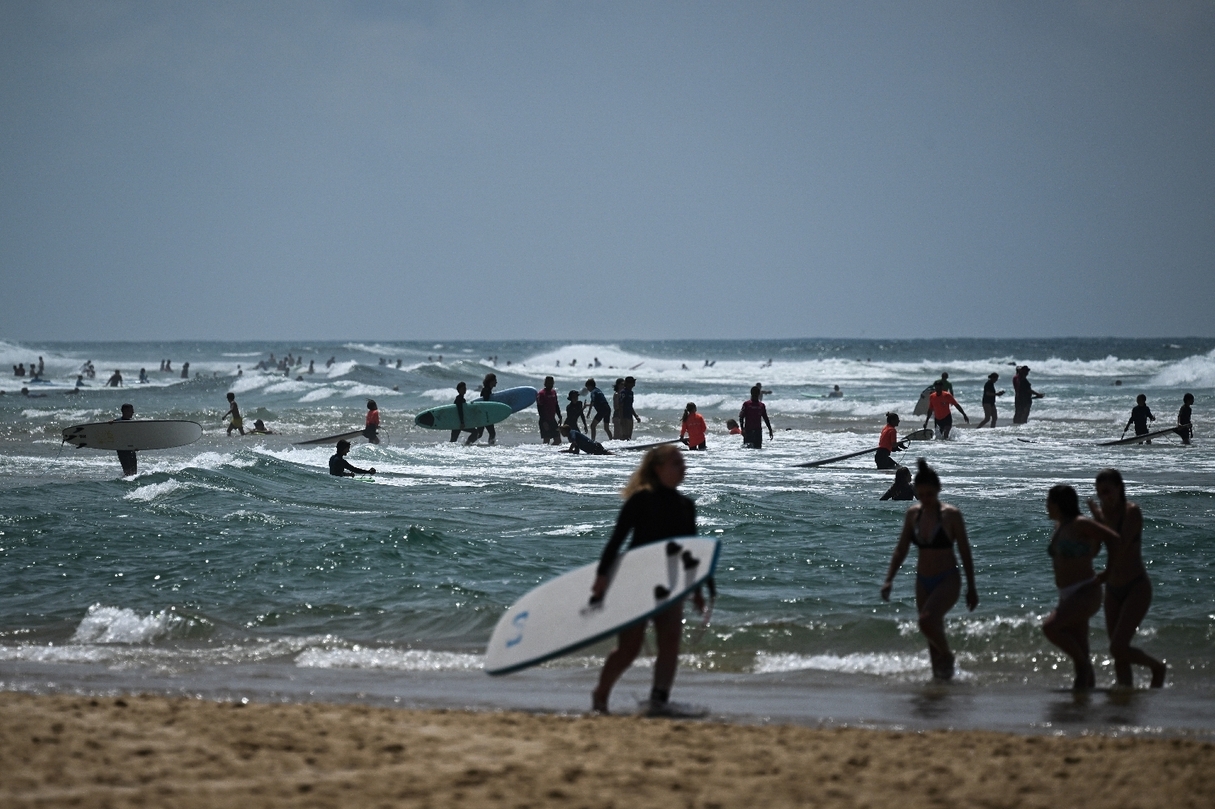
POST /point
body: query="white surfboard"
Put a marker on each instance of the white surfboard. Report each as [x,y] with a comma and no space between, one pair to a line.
[133,435]
[558,617]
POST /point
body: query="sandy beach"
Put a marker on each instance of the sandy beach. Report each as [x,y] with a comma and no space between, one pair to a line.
[65,750]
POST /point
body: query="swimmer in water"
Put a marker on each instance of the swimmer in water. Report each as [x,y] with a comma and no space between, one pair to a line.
[934,528]
[340,467]
[901,489]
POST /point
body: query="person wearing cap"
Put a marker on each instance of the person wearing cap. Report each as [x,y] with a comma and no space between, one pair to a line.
[1023,395]
[989,399]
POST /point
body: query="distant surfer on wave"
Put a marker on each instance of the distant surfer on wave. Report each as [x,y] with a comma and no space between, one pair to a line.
[653,511]
[127,457]
[888,442]
[934,528]
[342,468]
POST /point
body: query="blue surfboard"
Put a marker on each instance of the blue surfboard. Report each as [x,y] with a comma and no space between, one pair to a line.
[516,398]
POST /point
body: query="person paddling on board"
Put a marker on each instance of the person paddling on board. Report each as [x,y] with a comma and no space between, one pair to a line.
[237,422]
[1023,395]
[989,400]
[1184,428]
[653,511]
[934,528]
[127,457]
[371,427]
[340,467]
[603,410]
[753,417]
[939,402]
[694,427]
[549,408]
[888,442]
[1140,415]
[580,443]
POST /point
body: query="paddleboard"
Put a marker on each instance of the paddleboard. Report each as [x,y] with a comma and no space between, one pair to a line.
[477,413]
[1138,438]
[921,407]
[557,617]
[331,439]
[133,435]
[517,399]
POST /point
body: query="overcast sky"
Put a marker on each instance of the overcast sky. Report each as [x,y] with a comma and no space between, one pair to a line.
[606,170]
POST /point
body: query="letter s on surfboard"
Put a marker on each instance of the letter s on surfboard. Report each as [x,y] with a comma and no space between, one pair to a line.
[518,621]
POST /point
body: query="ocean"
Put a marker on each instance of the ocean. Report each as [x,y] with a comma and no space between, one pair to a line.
[237,566]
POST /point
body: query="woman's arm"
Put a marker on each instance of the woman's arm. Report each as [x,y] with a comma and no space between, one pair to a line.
[624,524]
[900,551]
[957,528]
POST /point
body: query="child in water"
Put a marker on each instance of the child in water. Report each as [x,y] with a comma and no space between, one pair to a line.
[1140,415]
[694,427]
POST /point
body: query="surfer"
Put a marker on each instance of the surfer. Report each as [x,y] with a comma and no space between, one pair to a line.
[461,389]
[888,442]
[1128,591]
[371,427]
[753,416]
[617,387]
[901,489]
[1184,428]
[934,527]
[185,370]
[574,411]
[1073,545]
[835,393]
[1023,395]
[143,376]
[939,402]
[487,392]
[693,426]
[944,381]
[127,457]
[603,410]
[580,443]
[340,467]
[1140,415]
[260,428]
[989,400]
[548,407]
[237,422]
[628,416]
[115,380]
[653,511]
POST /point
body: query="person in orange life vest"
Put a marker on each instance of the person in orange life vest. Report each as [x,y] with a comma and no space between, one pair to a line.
[371,427]
[888,442]
[939,402]
[694,427]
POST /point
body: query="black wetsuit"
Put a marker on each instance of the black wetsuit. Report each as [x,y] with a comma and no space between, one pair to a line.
[339,466]
[487,395]
[128,459]
[1140,415]
[1184,428]
[573,412]
[584,444]
[459,403]
[900,491]
[652,516]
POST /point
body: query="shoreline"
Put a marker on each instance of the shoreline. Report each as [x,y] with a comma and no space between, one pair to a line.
[184,752]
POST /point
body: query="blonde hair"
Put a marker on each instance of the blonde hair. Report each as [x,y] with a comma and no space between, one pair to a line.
[645,477]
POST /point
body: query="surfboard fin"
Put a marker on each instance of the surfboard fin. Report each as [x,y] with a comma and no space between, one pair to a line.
[660,592]
[689,561]
[673,548]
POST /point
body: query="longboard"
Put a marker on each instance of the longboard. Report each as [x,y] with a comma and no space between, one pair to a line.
[655,444]
[330,439]
[919,435]
[921,407]
[1137,439]
[133,435]
[477,413]
[516,399]
[558,617]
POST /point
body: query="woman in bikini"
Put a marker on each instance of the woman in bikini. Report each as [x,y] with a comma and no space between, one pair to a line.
[1073,545]
[1128,591]
[934,527]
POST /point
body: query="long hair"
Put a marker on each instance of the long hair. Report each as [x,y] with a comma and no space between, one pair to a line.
[687,411]
[1066,500]
[1112,476]
[645,476]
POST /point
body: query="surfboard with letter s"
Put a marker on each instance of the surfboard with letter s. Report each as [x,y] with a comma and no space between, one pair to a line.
[477,413]
[133,435]
[558,617]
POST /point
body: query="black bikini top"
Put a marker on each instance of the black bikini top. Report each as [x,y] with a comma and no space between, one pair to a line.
[939,539]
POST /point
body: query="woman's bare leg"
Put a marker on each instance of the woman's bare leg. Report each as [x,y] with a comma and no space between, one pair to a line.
[669,626]
[933,608]
[628,644]
[1122,619]
[1067,628]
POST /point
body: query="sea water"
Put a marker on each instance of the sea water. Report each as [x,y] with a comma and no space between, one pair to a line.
[237,564]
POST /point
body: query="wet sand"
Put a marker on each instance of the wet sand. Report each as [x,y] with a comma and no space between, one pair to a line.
[61,750]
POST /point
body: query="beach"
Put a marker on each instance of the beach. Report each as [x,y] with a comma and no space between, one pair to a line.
[62,750]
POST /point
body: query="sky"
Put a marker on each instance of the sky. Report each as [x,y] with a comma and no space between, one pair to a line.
[606,170]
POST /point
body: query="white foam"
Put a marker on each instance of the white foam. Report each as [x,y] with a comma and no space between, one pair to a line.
[121,625]
[358,657]
[1197,371]
[882,664]
[153,490]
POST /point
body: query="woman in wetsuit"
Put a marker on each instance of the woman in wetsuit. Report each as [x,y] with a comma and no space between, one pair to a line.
[934,527]
[653,511]
[1073,546]
[1128,591]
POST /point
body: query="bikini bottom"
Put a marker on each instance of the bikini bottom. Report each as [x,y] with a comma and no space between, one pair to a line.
[1121,591]
[1070,590]
[929,583]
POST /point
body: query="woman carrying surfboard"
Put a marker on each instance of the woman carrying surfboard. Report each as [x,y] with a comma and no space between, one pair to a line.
[653,511]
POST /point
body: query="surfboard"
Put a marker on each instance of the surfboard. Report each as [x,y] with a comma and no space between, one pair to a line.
[517,399]
[655,444]
[1137,439]
[477,413]
[558,617]
[924,434]
[921,407]
[133,435]
[331,439]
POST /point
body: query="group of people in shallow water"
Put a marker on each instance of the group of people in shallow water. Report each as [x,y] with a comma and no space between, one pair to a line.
[654,511]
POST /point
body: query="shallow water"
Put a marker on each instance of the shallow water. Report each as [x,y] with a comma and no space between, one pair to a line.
[236,553]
